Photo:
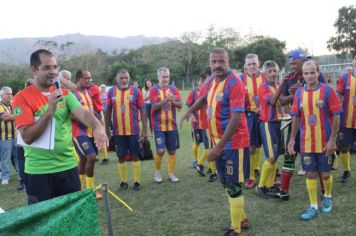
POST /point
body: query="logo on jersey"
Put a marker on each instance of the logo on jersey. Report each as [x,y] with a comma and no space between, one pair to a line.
[307,160]
[319,103]
[219,96]
[17,111]
[159,141]
[85,145]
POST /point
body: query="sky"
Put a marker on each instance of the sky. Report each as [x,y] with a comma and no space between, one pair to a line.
[301,23]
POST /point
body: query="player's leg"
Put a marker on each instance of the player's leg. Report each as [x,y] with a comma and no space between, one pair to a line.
[172,144]
[135,150]
[160,141]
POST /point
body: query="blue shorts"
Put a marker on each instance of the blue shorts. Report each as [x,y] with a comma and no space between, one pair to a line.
[127,143]
[271,138]
[316,162]
[233,166]
[254,128]
[208,142]
[167,139]
[346,136]
[84,146]
[197,136]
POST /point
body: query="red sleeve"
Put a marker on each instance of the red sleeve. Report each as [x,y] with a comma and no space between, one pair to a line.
[177,96]
[295,110]
[153,96]
[340,86]
[333,103]
[22,111]
[264,94]
[140,101]
[189,102]
[237,96]
[95,96]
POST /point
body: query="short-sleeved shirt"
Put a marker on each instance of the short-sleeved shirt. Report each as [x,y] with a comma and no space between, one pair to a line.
[94,92]
[346,86]
[224,97]
[268,112]
[192,97]
[125,104]
[7,128]
[30,103]
[252,83]
[315,109]
[164,119]
[78,128]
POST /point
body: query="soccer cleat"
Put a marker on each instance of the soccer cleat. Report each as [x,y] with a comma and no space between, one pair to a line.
[257,172]
[158,177]
[200,169]
[21,187]
[213,177]
[194,163]
[173,178]
[104,162]
[4,182]
[124,186]
[262,192]
[250,183]
[283,195]
[301,172]
[137,186]
[327,205]
[209,171]
[273,191]
[345,176]
[245,224]
[231,232]
[98,195]
[310,214]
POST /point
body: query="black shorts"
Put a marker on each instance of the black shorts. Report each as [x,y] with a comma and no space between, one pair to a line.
[41,187]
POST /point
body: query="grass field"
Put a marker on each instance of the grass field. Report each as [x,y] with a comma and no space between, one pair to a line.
[195,207]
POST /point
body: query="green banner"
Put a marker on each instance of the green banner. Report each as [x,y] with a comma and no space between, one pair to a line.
[72,214]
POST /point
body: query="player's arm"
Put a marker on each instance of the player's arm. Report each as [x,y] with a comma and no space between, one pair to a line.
[7,117]
[68,84]
[331,144]
[108,120]
[274,98]
[198,104]
[295,126]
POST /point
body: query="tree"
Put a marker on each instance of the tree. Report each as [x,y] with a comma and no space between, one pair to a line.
[266,48]
[345,40]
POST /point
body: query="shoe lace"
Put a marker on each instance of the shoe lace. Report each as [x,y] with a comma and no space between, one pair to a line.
[310,211]
[327,202]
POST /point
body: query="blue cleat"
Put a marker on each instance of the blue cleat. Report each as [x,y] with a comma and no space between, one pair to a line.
[194,163]
[327,205]
[310,214]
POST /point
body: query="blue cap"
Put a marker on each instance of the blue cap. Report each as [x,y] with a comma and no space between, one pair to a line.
[296,55]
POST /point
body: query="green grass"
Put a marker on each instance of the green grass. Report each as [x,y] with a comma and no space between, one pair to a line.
[195,207]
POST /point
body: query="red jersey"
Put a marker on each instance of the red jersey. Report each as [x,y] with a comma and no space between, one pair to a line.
[251,88]
[192,97]
[94,92]
[203,116]
[125,104]
[315,109]
[346,86]
[268,112]
[78,128]
[164,119]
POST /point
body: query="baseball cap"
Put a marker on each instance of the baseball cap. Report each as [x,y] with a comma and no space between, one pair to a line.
[296,55]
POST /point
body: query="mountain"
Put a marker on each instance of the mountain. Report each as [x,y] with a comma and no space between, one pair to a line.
[18,50]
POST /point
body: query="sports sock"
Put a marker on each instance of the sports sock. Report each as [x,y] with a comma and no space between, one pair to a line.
[122,167]
[195,149]
[286,176]
[158,160]
[271,175]
[312,192]
[266,168]
[136,169]
[236,209]
[171,163]
[203,156]
[90,182]
[252,166]
[345,159]
[256,159]
[82,180]
[105,154]
[328,183]
[212,166]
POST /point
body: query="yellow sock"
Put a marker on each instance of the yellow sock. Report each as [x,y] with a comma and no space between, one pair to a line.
[122,167]
[236,209]
[82,180]
[195,148]
[212,166]
[328,186]
[266,168]
[271,175]
[345,159]
[136,169]
[203,156]
[105,154]
[256,160]
[171,163]
[252,167]
[90,182]
[312,185]
[158,160]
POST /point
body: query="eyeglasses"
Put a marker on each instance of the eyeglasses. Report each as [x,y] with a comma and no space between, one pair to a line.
[49,68]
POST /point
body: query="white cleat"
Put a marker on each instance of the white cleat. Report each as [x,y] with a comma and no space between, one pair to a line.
[158,177]
[173,178]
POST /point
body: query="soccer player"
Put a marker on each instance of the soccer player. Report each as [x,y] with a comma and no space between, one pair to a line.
[82,135]
[346,90]
[224,95]
[253,79]
[50,173]
[270,127]
[316,112]
[124,102]
[165,100]
[296,58]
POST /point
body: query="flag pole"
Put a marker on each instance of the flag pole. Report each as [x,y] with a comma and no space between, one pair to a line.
[107,208]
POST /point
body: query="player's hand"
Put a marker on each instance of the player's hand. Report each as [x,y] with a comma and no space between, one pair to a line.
[144,134]
[330,147]
[100,137]
[108,133]
[215,153]
[291,147]
[184,118]
[53,99]
[169,98]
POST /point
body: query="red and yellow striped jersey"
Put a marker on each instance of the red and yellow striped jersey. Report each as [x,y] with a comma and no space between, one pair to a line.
[251,89]
[346,86]
[78,128]
[268,112]
[315,109]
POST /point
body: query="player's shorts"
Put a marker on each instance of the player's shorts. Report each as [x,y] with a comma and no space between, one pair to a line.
[233,165]
[316,162]
[208,142]
[271,138]
[197,136]
[127,143]
[167,139]
[84,146]
[346,136]
[254,128]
